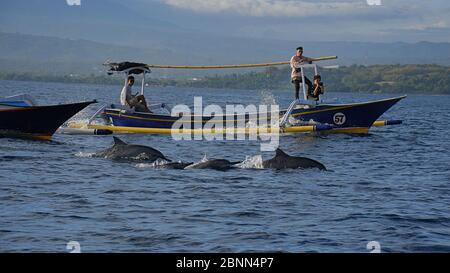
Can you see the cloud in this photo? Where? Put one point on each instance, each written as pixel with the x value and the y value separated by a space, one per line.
pixel 441 24
pixel 393 20
pixel 274 8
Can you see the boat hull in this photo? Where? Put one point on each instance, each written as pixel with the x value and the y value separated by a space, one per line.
pixel 147 120
pixel 353 118
pixel 37 122
pixel 350 118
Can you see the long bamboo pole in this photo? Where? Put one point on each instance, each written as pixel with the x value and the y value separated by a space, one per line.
pixel 233 65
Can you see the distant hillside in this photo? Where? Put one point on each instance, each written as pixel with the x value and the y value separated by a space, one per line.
pixel 47 55
pixel 19 52
pixel 117 26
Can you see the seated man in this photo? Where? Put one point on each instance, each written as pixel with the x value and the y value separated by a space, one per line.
pixel 137 102
pixel 318 88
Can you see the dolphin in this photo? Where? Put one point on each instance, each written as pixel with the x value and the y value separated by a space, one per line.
pixel 174 165
pixel 121 150
pixel 215 164
pixel 285 161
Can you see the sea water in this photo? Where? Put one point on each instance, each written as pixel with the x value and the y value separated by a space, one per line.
pixel 391 186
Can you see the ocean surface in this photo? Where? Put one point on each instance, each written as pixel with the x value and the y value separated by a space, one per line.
pixel 391 186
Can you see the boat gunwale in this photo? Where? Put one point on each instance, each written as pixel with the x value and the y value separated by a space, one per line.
pixel 35 107
pixel 322 108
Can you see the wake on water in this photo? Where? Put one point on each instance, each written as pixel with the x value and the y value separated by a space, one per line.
pixel 159 162
pixel 267 98
pixel 204 159
pixel 84 154
pixel 250 162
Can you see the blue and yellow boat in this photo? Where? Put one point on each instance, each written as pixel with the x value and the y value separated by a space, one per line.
pixel 342 118
pixel 302 115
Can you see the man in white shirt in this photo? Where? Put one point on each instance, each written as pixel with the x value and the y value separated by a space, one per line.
pixel 296 61
pixel 127 98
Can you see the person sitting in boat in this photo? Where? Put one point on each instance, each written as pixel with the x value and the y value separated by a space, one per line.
pixel 296 61
pixel 137 102
pixel 318 88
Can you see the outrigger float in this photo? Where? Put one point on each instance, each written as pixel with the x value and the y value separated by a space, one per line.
pixel 301 116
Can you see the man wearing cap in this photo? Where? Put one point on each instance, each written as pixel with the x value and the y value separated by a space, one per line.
pixel 296 76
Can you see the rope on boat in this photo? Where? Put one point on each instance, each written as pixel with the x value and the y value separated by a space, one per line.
pixel 233 65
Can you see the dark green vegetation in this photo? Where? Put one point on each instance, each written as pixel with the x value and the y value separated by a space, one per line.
pixel 432 79
pixel 409 79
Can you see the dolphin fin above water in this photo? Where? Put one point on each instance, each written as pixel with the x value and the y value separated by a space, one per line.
pixel 280 152
pixel 284 161
pixel 118 141
pixel 121 150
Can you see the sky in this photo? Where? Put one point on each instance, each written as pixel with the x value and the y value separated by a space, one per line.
pixel 318 20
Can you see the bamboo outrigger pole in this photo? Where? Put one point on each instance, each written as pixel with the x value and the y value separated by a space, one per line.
pixel 233 65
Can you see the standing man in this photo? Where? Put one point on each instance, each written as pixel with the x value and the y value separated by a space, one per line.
pixel 296 76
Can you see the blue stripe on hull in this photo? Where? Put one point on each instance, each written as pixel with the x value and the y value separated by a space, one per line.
pixel 144 120
pixel 132 122
pixel 14 103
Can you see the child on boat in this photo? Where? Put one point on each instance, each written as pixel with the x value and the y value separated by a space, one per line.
pixel 318 88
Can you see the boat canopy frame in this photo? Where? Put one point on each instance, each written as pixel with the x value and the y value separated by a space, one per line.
pixel 304 101
pixel 129 68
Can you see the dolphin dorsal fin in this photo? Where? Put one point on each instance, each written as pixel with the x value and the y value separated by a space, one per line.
pixel 117 141
pixel 280 152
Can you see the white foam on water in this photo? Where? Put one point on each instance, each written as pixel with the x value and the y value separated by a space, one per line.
pixel 144 165
pixel 298 122
pixel 141 156
pixel 267 98
pixel 83 122
pixel 251 162
pixel 84 154
pixel 78 120
pixel 204 159
pixel 159 162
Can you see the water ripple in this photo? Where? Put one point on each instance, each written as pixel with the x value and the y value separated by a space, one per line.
pixel 390 186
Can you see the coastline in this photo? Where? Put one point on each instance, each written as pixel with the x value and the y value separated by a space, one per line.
pixel 375 79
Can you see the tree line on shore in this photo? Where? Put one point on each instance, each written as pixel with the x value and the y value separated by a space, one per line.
pixel 426 79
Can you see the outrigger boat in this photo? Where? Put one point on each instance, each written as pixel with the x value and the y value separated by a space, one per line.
pixel 302 115
pixel 21 117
